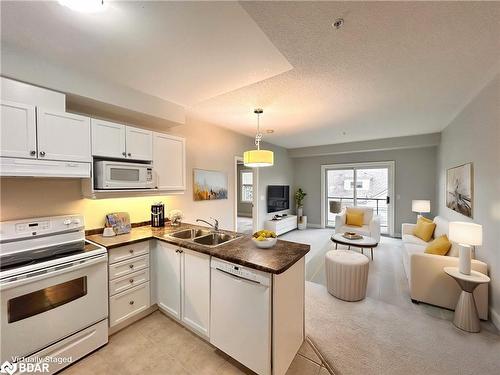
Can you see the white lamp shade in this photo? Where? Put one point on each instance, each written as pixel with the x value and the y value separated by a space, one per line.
pixel 466 233
pixel 421 206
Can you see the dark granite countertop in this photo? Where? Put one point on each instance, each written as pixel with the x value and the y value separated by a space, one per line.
pixel 240 251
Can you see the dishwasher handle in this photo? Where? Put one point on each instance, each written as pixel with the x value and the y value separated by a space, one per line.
pixel 238 277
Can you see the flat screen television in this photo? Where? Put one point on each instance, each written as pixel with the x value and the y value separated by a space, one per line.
pixel 278 198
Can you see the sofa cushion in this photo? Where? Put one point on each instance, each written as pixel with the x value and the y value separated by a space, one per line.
pixel 441 226
pixel 363 230
pixel 440 246
pixel 410 238
pixel 424 229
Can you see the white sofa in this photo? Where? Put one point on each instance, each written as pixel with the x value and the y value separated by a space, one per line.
pixel 370 228
pixel 428 282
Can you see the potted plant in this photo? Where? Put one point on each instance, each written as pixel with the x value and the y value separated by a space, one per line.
pixel 299 199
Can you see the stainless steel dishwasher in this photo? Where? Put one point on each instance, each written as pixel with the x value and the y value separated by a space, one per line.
pixel 240 321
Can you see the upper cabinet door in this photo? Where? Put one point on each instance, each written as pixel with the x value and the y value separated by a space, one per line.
pixel 108 139
pixel 63 136
pixel 139 143
pixel 17 130
pixel 169 161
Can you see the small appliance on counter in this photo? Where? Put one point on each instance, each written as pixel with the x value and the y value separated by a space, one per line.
pixel 119 221
pixel 158 215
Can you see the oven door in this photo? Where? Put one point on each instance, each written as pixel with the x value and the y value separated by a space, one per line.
pixel 126 176
pixel 50 304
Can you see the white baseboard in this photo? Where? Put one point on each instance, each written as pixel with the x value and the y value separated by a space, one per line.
pixel 495 318
pixel 311 225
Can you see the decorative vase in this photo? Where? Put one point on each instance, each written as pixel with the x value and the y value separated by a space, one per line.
pixel 300 211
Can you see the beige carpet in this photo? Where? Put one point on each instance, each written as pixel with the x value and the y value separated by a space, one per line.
pixel 374 337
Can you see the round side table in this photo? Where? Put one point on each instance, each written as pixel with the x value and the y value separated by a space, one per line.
pixel 466 317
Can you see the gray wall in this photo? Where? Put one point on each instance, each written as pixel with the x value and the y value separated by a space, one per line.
pixel 415 178
pixel 474 136
pixel 282 173
pixel 243 209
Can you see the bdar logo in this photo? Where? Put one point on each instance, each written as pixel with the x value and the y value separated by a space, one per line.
pixel 8 368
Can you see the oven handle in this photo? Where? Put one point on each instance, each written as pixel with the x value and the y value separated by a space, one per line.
pixel 55 270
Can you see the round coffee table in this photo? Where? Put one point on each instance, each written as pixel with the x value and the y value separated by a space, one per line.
pixel 466 311
pixel 363 243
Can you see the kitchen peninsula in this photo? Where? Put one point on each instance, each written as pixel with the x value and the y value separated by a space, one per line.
pixel 246 301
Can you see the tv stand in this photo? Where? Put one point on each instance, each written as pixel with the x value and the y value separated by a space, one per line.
pixel 283 225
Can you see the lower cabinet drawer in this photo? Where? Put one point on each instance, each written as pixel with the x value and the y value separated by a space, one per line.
pixel 128 266
pixel 129 281
pixel 121 253
pixel 126 304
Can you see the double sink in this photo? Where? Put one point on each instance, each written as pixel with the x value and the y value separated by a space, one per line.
pixel 204 237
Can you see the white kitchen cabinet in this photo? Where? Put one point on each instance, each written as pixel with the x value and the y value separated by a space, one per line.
pixel 108 139
pixel 139 143
pixel 196 291
pixel 17 130
pixel 169 161
pixel 168 278
pixel 63 136
pixel 182 279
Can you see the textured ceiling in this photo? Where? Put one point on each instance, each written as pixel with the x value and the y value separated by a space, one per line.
pixel 183 52
pixel 394 69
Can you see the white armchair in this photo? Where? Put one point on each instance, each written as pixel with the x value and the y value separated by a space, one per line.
pixel 371 224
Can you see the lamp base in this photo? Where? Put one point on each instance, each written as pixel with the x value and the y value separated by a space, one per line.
pixel 464 259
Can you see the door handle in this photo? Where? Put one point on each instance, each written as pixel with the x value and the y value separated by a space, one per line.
pixel 388 200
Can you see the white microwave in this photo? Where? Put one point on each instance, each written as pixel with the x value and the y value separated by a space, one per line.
pixel 122 175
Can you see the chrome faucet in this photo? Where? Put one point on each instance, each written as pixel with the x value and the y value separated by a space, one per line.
pixel 215 225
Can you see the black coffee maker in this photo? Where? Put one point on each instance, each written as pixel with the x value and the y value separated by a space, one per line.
pixel 158 215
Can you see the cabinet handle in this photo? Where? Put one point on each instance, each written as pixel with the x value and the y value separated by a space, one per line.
pixel 131 251
pixel 131 266
pixel 42 153
pixel 124 153
pixel 129 154
pixel 131 281
pixel 32 153
pixel 131 303
pixel 181 251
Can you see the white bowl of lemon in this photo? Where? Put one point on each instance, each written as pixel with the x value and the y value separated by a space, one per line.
pixel 264 239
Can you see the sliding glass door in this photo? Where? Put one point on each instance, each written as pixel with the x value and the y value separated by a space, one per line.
pixel 359 185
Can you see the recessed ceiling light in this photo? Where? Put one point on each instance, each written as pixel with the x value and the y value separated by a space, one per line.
pixel 85 6
pixel 270 131
pixel 338 23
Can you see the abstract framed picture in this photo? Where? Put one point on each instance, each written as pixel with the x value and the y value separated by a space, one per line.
pixel 459 187
pixel 209 185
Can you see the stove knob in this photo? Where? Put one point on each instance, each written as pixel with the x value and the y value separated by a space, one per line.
pixel 76 221
pixel 67 221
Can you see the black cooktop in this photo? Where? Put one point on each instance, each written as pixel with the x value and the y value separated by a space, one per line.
pixel 25 258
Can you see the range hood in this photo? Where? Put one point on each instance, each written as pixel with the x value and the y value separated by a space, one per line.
pixel 17 167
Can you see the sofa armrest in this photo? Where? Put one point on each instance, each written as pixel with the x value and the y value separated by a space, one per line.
pixel 429 283
pixel 339 221
pixel 375 228
pixel 407 228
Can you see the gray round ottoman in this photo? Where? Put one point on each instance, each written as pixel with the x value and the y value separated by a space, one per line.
pixel 346 274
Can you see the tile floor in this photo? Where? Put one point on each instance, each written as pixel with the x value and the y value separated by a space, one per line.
pixel 159 345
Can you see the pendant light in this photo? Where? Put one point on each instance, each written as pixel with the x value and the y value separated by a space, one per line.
pixel 258 158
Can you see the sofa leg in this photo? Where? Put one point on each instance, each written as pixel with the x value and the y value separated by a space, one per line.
pixel 415 301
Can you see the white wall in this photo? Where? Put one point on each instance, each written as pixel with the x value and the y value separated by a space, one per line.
pixel 474 136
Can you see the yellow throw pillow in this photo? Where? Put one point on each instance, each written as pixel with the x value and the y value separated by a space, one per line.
pixel 354 217
pixel 440 246
pixel 425 219
pixel 424 229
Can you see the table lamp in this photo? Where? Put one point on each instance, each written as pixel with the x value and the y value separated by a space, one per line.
pixel 466 235
pixel 421 206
